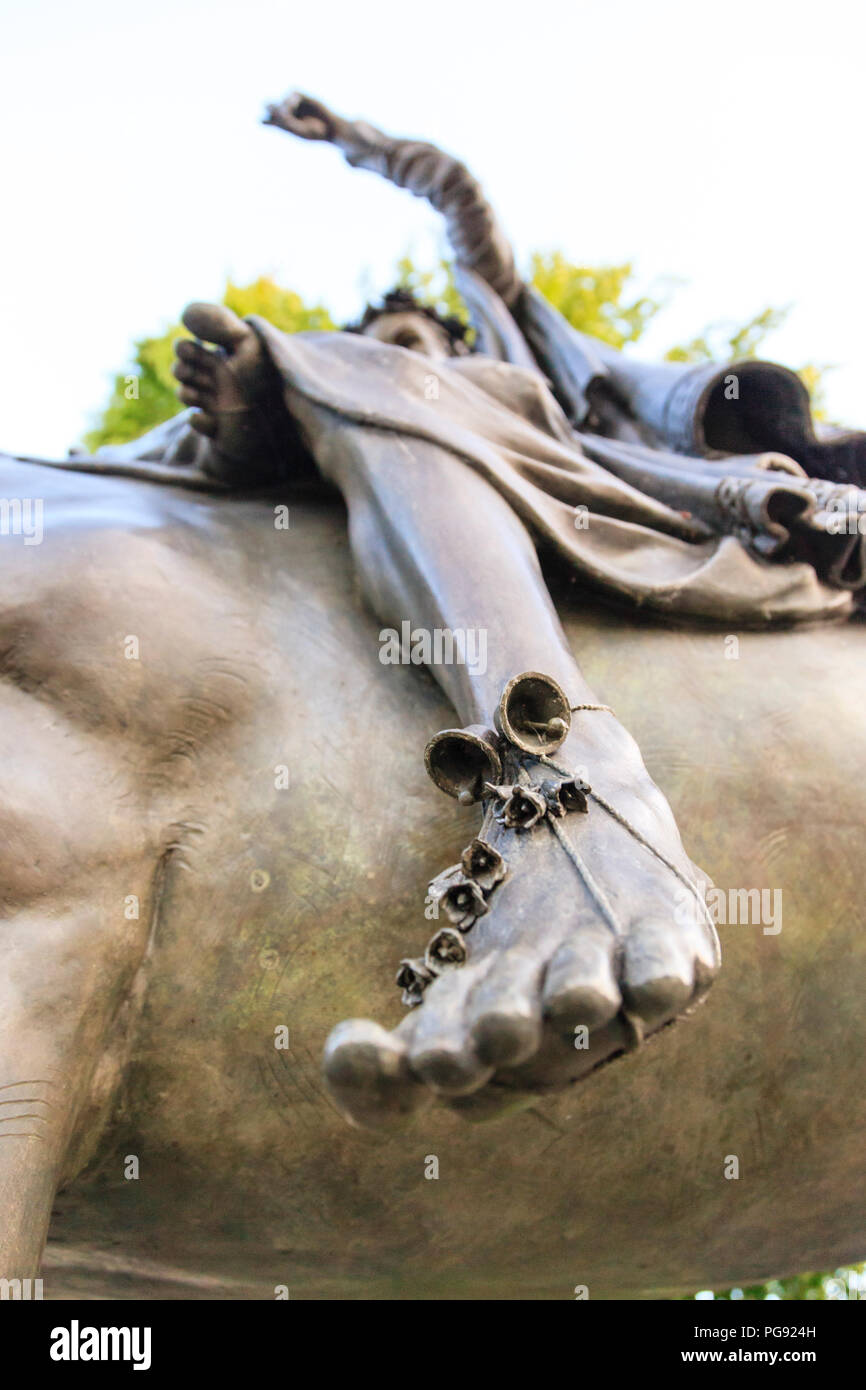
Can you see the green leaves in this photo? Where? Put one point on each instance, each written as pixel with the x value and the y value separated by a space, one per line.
pixel 593 298
pixel 144 394
pixel 283 308
pixel 435 287
pixel 598 300
pixel 840 1285
pixel 724 342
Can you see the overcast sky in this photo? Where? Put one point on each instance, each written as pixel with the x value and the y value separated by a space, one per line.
pixel 722 143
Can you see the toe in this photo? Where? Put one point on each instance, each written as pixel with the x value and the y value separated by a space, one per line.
pixel 215 324
pixel 195 354
pixel 708 960
pixel 581 987
pixel 190 375
pixel 658 973
pixel 204 424
pixel 441 1051
pixel 505 1009
pixel 367 1072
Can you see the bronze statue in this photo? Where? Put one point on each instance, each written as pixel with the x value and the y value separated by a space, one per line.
pixel 164 645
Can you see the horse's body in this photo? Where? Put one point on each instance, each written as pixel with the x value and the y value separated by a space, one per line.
pixel 156 776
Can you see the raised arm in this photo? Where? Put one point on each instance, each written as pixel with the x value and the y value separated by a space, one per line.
pixel 475 236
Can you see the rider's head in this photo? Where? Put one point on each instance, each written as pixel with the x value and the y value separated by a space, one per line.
pixel 400 319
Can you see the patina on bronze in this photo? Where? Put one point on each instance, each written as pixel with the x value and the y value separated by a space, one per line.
pixel 135 1016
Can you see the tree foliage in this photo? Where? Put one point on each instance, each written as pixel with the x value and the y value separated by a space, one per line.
pixel 598 300
pixel 432 286
pixel 144 393
pixel 839 1286
pixel 725 342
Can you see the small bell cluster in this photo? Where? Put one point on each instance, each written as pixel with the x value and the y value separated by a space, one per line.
pixel 522 807
pixel 532 720
pixel 462 893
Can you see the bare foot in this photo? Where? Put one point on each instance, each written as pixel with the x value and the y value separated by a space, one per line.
pixel 232 383
pixel 567 939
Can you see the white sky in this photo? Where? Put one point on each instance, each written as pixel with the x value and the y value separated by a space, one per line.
pixel 719 142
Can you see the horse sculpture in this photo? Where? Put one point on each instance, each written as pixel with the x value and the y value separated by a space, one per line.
pixel 218 831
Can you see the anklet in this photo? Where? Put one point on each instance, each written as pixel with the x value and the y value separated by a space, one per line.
pixel 463 891
pixel 595 890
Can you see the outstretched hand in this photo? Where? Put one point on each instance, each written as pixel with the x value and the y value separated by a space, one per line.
pixel 303 116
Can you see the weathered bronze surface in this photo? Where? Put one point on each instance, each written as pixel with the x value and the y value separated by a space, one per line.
pixel 219 827
pixel 249 1177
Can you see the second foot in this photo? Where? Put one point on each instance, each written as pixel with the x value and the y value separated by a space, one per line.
pixel 232 384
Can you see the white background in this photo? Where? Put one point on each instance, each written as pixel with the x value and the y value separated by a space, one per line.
pixel 721 142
